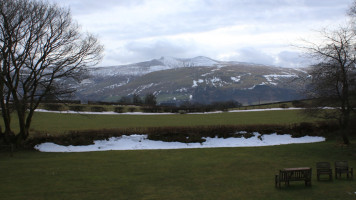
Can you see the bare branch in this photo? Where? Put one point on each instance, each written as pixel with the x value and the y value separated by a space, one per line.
pixel 40 48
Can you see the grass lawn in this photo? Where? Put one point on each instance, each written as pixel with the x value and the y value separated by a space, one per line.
pixel 59 123
pixel 217 173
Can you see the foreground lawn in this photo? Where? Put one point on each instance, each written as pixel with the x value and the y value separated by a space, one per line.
pixel 59 123
pixel 219 173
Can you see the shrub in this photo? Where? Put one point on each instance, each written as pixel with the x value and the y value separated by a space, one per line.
pixel 151 109
pixel 299 104
pixel 283 105
pixel 186 134
pixel 132 109
pixel 77 108
pixel 119 109
pixel 182 111
pixel 53 106
pixel 97 109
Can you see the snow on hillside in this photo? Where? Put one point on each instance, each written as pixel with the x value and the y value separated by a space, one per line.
pixel 236 79
pixel 163 63
pixel 202 61
pixel 274 77
pixel 199 61
pixel 184 77
pixel 171 62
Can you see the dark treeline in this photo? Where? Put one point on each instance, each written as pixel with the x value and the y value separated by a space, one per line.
pixel 200 107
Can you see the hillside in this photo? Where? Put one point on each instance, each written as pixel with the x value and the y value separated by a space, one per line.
pixel 199 79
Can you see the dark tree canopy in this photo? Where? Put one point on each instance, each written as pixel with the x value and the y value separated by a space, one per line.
pixel 41 50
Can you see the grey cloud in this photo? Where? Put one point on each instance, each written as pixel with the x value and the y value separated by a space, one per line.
pixel 138 51
pixel 157 48
pixel 252 55
pixel 91 6
pixel 207 15
pixel 195 17
pixel 291 59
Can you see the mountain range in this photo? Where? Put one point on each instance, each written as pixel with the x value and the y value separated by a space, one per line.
pixel 200 79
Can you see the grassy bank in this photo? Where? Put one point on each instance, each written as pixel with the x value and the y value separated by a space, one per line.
pixel 221 173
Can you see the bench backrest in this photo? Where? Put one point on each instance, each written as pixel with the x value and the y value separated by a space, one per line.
pixel 295 175
pixel 341 165
pixel 323 165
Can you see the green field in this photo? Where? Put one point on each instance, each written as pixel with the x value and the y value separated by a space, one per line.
pixel 217 173
pixel 59 123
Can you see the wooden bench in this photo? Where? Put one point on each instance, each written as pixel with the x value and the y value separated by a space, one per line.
pixel 293 174
pixel 323 168
pixel 343 167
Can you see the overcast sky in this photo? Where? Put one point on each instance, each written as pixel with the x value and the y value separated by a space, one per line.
pixel 258 31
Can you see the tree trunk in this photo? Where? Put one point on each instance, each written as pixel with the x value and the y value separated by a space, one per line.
pixel 344 124
pixel 345 137
pixel 8 136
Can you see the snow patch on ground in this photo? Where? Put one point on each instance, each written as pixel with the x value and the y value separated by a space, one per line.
pixel 140 142
pixel 101 113
pixel 142 113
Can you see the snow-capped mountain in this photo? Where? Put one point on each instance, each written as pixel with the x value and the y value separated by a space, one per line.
pixel 199 79
pixel 162 63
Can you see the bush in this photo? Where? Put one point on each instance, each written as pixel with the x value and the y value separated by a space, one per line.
pixel 119 109
pixel 182 111
pixel 77 108
pixel 151 109
pixel 186 134
pixel 299 104
pixel 283 105
pixel 97 109
pixel 132 109
pixel 53 106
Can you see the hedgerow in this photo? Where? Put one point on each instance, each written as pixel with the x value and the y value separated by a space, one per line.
pixel 186 134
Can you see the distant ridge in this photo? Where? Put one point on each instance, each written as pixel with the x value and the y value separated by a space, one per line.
pixel 199 79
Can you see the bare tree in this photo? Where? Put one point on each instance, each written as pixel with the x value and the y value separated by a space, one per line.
pixel 333 78
pixel 150 99
pixel 41 49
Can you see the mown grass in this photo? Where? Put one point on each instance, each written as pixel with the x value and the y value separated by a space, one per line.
pixel 60 123
pixel 216 173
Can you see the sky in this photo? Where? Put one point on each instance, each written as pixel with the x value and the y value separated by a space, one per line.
pixel 257 31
